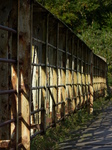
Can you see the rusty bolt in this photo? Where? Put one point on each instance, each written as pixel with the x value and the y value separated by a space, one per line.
pixel 2 51
pixel 3 117
pixel 21 67
pixel 3 134
pixel 4 9
pixel 3 23
pixel 3 35
pixel 10 103
pixel 3 68
pixel 3 101
pixel 3 84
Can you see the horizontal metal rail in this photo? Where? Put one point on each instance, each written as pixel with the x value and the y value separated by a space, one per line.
pixel 50 45
pixel 69 54
pixel 51 125
pixel 9 121
pixel 59 103
pixel 67 98
pixel 61 50
pixel 61 85
pixel 43 65
pixel 60 120
pixel 37 111
pixel 74 56
pixel 36 133
pixel 69 69
pixel 74 84
pixel 7 29
pixel 68 84
pixel 51 86
pixel 8 60
pixel 37 40
pixel 12 91
pixel 64 68
pixel 39 87
pixel 37 126
pixel 38 65
pixel 7 92
pixel 52 66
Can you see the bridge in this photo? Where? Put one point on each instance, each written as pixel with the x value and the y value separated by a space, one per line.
pixel 46 74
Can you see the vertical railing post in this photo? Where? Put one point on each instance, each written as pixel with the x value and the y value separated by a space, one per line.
pixel 67 103
pixel 73 84
pixel 88 75
pixel 43 113
pixel 57 46
pixel 46 70
pixel 31 47
pixel 78 98
pixel 17 82
pixel 82 76
pixel 5 8
pixel 24 44
pixel 91 83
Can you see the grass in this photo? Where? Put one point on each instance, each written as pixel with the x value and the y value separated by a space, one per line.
pixel 62 131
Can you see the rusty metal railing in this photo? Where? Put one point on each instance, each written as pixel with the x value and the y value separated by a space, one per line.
pixel 64 72
pixel 46 73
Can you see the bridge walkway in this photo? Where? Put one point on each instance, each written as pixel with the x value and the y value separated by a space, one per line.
pixel 97 136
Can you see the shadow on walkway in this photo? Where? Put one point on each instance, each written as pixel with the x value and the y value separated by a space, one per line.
pixel 97 136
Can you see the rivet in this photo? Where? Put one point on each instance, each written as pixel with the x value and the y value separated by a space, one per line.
pixel 3 117
pixel 2 51
pixel 21 67
pixel 10 103
pixel 3 134
pixel 3 84
pixel 3 68
pixel 4 9
pixel 3 23
pixel 3 100
pixel 3 35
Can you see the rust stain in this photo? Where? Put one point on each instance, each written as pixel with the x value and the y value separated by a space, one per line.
pixel 4 143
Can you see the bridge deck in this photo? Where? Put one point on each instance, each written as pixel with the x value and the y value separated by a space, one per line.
pixel 98 136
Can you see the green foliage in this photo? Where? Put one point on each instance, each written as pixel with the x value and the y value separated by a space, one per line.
pixel 110 77
pixel 99 41
pixel 90 20
pixel 79 14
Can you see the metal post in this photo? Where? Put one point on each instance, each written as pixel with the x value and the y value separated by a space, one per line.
pixel 91 83
pixel 5 45
pixel 24 33
pixel 78 100
pixel 73 63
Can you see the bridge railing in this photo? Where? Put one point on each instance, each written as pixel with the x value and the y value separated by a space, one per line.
pixel 65 72
pixel 46 74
